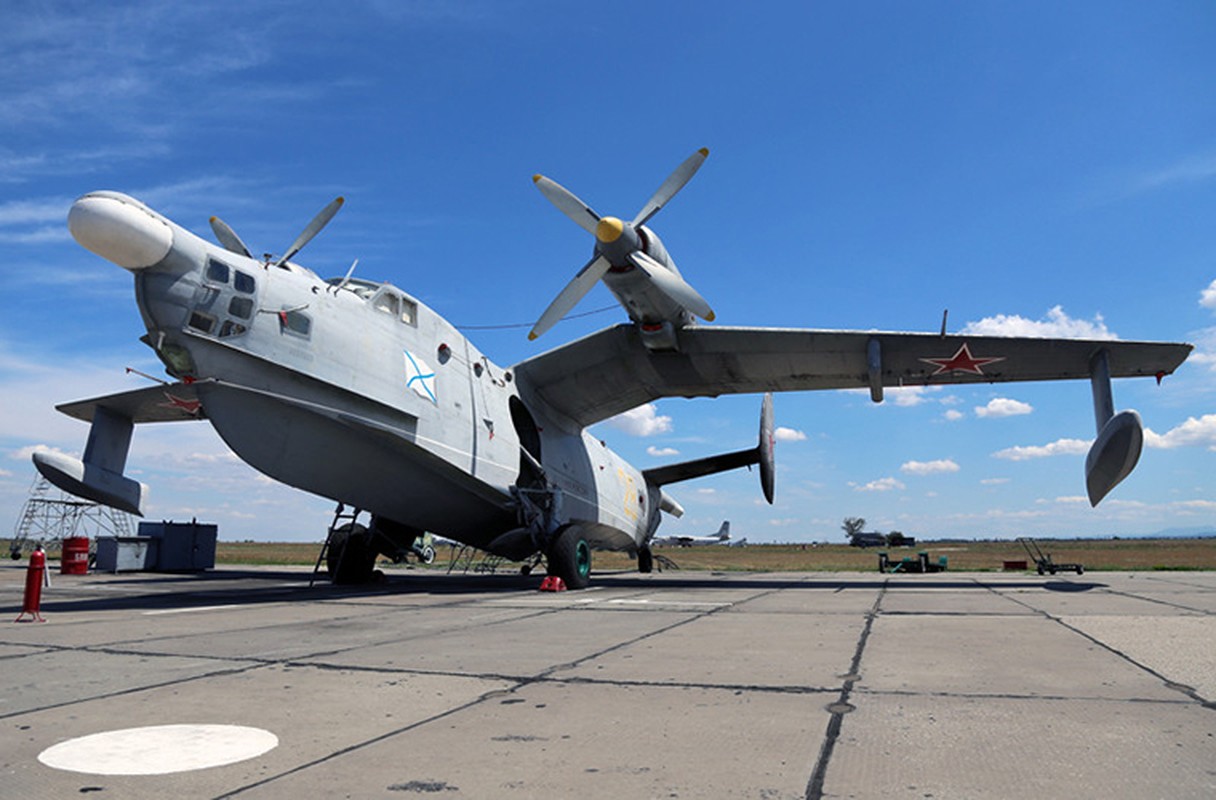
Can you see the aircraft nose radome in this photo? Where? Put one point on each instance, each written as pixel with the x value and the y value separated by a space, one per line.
pixel 120 230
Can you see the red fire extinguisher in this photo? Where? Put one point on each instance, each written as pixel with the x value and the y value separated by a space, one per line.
pixel 34 577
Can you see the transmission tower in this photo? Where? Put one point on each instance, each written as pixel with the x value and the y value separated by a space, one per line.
pixel 49 516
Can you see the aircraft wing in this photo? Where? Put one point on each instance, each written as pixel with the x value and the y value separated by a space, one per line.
pixel 611 371
pixel 170 402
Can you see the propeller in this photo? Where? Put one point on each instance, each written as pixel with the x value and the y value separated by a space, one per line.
pixel 227 237
pixel 312 229
pixel 618 244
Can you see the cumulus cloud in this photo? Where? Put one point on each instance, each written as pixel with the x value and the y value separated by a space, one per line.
pixel 1207 297
pixel 953 416
pixel 880 485
pixel 1057 324
pixel 789 435
pixel 642 421
pixel 1193 432
pixel 1060 447
pixel 1003 407
pixel 24 453
pixel 660 452
pixel 908 396
pixel 929 467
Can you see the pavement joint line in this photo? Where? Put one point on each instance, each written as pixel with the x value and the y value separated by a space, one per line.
pixel 814 787
pixel 368 742
pixel 1021 697
pixel 135 690
pixel 1189 691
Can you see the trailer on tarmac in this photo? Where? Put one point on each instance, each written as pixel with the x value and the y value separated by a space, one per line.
pixel 1043 562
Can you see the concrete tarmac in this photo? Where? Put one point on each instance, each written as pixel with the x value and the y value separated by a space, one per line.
pixel 673 685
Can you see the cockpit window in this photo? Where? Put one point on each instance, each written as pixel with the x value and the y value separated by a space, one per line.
pixel 217 271
pixel 387 303
pixel 244 282
pixel 240 306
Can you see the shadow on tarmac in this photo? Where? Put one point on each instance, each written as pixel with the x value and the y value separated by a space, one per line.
pixel 252 587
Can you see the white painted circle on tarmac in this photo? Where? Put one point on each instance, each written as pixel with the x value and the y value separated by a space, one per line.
pixel 159 750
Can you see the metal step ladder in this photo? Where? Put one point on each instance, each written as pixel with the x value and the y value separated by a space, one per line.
pixel 341 517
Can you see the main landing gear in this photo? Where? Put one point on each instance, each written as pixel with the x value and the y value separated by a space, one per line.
pixel 570 557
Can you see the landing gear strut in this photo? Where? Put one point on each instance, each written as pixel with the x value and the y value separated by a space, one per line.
pixel 351 557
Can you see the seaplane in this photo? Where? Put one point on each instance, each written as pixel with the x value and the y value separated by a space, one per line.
pixel 356 391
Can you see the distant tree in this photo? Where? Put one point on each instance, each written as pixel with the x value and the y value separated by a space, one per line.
pixel 896 539
pixel 853 526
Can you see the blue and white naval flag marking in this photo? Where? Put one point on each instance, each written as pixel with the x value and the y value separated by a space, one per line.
pixel 420 377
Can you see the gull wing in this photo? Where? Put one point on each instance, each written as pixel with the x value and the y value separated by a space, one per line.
pixel 170 402
pixel 611 371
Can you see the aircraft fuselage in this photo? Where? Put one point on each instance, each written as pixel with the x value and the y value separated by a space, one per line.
pixel 358 392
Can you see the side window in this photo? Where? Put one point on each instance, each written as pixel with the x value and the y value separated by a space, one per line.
pixel 243 282
pixel 409 312
pixel 230 328
pixel 240 306
pixel 217 271
pixel 295 322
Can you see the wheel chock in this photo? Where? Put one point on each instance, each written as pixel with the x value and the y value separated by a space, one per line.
pixel 552 583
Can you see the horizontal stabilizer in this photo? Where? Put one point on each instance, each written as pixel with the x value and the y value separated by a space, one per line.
pixel 761 454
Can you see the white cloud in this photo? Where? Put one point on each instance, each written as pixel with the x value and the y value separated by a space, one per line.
pixel 1060 447
pixel 1207 297
pixel 660 452
pixel 908 396
pixel 953 416
pixel 1057 325
pixel 642 421
pixel 1200 431
pixel 24 453
pixel 880 485
pixel 929 467
pixel 1074 499
pixel 789 435
pixel 993 481
pixel 1003 407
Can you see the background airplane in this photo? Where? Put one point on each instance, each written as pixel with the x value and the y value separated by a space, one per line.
pixel 356 391
pixel 721 537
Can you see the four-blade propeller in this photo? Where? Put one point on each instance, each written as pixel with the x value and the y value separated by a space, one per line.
pixel 619 244
pixel 231 242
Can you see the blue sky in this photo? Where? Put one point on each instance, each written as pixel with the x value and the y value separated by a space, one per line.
pixel 1036 167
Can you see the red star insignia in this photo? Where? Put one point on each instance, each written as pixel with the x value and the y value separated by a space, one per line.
pixel 189 406
pixel 962 361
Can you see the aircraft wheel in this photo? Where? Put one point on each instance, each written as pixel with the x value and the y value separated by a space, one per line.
pixel 570 558
pixel 428 555
pixel 350 558
pixel 645 560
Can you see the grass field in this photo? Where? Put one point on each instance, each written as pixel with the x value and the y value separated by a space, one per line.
pixel 1095 554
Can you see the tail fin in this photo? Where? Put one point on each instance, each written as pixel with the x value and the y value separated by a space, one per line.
pixel 724 531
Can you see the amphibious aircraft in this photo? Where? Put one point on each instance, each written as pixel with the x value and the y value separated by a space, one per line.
pixel 356 391
pixel 721 537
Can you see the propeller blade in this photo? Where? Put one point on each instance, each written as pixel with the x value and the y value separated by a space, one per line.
pixel 569 297
pixel 318 222
pixel 674 183
pixel 227 237
pixel 672 285
pixel 567 203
